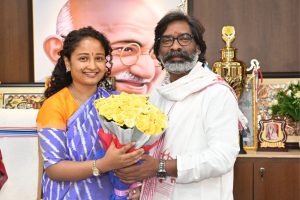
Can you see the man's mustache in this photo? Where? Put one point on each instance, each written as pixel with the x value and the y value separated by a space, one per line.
pixel 179 54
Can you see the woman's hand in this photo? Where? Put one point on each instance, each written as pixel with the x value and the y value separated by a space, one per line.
pixel 118 158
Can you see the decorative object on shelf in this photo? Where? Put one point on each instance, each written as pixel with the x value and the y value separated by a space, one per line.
pixel 272 135
pixel 244 85
pixel 232 70
pixel 247 104
pixel 287 103
pixel 266 95
pixel 255 73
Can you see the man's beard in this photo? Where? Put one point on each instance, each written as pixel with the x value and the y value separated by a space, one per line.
pixel 179 67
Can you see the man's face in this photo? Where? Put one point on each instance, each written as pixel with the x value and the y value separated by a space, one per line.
pixel 131 22
pixel 178 51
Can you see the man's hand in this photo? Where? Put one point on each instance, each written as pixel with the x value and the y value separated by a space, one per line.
pixel 139 172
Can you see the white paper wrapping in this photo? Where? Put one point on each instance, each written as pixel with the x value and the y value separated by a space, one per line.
pixel 126 136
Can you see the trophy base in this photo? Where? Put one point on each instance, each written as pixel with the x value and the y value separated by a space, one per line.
pixel 272 149
pixel 242 150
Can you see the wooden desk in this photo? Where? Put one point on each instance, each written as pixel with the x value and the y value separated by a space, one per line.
pixel 267 176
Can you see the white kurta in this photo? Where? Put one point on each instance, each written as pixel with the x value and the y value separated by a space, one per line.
pixel 202 135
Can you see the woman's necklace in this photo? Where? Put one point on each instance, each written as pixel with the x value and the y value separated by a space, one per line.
pixel 76 97
pixel 77 100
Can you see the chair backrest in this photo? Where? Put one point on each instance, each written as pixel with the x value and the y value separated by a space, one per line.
pixel 40 174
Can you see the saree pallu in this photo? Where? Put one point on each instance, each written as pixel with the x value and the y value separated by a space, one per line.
pixel 79 142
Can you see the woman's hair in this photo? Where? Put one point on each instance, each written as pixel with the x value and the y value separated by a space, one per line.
pixel 60 77
pixel 196 27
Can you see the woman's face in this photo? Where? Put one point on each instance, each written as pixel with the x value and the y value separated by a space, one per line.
pixel 87 63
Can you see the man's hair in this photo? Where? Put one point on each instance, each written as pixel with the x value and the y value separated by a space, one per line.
pixel 196 27
pixel 60 76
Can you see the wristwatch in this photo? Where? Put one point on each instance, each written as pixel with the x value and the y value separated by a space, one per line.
pixel 96 171
pixel 161 174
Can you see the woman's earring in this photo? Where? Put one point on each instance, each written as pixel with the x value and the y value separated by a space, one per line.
pixel 68 69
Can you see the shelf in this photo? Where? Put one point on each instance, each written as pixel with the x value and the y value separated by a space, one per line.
pixel 264 154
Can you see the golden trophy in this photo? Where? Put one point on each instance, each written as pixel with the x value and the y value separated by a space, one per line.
pixel 232 70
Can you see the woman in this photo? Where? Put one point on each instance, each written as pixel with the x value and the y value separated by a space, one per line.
pixel 68 122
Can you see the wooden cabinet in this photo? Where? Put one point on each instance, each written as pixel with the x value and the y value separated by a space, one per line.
pixel 267 176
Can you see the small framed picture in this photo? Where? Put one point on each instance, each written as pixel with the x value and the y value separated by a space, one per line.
pixel 21 96
pixel 272 135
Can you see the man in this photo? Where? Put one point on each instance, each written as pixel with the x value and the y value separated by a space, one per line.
pixel 124 23
pixel 122 27
pixel 195 156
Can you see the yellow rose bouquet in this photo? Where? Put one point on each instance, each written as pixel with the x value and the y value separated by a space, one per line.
pixel 131 117
pixel 126 118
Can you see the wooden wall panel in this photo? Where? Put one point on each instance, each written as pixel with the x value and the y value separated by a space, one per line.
pixel 16 41
pixel 268 30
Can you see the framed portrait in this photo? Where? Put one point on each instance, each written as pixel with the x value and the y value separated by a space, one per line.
pixel 266 94
pixel 21 96
pixel 247 104
pixel 104 16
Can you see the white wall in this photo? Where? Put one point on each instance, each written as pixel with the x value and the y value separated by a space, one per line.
pixel 20 155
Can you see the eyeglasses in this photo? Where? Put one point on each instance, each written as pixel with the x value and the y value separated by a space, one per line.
pixel 130 53
pixel 183 39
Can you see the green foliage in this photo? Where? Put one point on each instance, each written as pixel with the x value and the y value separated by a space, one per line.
pixel 287 102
